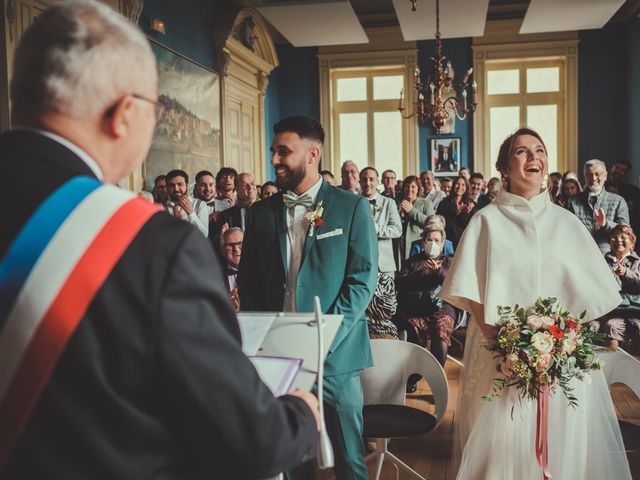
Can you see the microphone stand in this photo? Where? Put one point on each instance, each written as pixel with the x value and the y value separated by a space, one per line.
pixel 325 450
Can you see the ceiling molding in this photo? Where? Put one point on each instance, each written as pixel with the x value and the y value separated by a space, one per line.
pixel 556 16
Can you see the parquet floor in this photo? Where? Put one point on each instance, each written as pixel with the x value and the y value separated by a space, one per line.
pixel 430 455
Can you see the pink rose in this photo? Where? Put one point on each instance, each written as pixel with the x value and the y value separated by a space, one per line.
pixel 534 321
pixel 544 361
pixel 547 321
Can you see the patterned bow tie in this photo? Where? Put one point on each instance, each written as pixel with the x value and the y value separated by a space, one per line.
pixel 292 200
pixel 373 202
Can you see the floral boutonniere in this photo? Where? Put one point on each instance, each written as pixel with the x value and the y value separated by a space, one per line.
pixel 314 216
pixel 377 208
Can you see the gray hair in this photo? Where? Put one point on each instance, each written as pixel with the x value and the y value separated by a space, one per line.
pixel 77 59
pixel 594 162
pixel 229 231
pixel 436 220
pixel 435 225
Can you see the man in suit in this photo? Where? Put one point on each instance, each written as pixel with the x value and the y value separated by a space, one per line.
pixel 153 382
pixel 480 199
pixel 349 173
pixel 231 250
pixel 181 205
pixel 238 215
pixel 599 210
pixel 205 196
pixel 314 239
pixel 428 182
pixel 388 226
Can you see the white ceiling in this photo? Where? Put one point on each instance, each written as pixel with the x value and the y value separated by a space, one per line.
pixel 306 23
pixel 561 15
pixel 458 18
pixel 314 24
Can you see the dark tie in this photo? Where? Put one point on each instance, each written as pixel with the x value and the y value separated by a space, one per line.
pixel 373 202
pixel 592 200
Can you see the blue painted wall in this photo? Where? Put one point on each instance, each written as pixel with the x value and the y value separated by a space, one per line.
pixel 458 50
pixel 188 27
pixel 603 94
pixel 633 60
pixel 294 89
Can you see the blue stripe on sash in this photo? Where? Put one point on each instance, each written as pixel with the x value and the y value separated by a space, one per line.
pixel 34 237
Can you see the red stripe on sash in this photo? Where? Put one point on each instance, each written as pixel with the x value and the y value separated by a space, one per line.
pixel 64 315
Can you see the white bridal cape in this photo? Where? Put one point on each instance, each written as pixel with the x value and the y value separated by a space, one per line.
pixel 514 251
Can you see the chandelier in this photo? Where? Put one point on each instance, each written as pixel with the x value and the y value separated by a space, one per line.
pixel 437 99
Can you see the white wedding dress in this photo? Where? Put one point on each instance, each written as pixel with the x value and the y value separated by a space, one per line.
pixel 513 252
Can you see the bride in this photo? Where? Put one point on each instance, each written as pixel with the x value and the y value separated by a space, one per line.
pixel 515 250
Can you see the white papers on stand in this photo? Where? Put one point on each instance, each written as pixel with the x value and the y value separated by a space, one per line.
pixel 253 329
pixel 278 373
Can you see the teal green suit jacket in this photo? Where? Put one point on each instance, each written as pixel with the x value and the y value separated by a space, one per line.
pixel 341 269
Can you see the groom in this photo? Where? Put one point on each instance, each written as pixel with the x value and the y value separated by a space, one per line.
pixel 315 239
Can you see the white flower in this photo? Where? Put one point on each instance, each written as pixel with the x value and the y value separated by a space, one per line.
pixel 534 321
pixel 542 341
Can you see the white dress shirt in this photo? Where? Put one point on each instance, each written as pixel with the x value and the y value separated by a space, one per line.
pixel 200 219
pixel 297 228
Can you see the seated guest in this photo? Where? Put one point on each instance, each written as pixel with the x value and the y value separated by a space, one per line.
pixel 570 188
pixel 388 226
pixel 494 187
pixel 159 192
pixel 226 184
pixel 434 220
pixel 457 209
pixel 231 250
pixel 180 204
pixel 413 212
pixel 328 177
pixel 389 182
pixel 238 215
pixel 480 199
pixel 349 173
pixel 205 192
pixel 419 283
pixel 624 322
pixel 596 208
pixel 268 190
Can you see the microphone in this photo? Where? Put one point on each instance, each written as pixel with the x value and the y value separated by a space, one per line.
pixel 325 450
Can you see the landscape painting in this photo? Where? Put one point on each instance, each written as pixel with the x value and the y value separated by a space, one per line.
pixel 187 134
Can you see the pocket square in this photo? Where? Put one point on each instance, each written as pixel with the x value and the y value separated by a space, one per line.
pixel 332 233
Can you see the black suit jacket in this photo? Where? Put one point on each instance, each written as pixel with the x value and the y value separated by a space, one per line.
pixel 153 383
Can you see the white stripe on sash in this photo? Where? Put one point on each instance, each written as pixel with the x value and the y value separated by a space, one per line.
pixel 50 273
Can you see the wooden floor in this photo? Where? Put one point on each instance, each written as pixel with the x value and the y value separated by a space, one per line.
pixel 430 454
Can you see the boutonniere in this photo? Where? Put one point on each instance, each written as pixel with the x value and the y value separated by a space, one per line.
pixel 377 208
pixel 314 216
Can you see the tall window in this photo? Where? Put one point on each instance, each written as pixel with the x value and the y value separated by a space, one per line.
pixel 527 93
pixel 366 126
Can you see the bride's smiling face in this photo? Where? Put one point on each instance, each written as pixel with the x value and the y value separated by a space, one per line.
pixel 527 165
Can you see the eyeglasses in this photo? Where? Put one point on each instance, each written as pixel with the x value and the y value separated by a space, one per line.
pixel 232 245
pixel 155 103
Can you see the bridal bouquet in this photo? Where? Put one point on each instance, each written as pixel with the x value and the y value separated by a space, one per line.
pixel 540 349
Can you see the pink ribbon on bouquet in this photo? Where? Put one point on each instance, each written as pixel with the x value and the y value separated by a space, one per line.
pixel 542 425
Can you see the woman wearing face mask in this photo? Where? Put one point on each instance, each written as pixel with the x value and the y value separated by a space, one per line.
pixel 413 213
pixel 517 249
pixel 457 209
pixel 623 323
pixel 418 285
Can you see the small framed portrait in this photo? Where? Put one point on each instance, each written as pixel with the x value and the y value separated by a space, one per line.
pixel 445 156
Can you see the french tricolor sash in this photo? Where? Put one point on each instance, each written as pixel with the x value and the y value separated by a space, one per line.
pixel 50 275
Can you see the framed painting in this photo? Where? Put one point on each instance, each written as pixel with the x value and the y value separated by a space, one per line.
pixel 187 134
pixel 445 156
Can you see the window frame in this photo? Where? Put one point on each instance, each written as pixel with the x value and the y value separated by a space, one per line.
pixel 535 53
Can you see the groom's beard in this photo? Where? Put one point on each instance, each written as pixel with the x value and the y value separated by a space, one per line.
pixel 292 177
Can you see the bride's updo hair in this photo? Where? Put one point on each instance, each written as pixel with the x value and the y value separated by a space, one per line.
pixel 502 163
